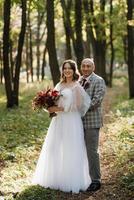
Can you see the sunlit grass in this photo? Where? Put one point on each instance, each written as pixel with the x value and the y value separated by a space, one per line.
pixel 22 132
pixel 120 142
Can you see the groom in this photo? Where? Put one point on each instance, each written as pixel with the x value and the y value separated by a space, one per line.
pixel 92 121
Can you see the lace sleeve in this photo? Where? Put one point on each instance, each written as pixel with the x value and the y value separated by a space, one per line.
pixel 81 100
pixel 75 99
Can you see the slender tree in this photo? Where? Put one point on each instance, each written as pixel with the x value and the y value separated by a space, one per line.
pixel 130 30
pixel 78 31
pixel 12 88
pixel 27 55
pixel 6 49
pixel 19 54
pixel 111 44
pixel 66 15
pixel 39 22
pixel 74 31
pixel 96 31
pixel 43 64
pixel 51 47
pixel 30 41
pixel 1 64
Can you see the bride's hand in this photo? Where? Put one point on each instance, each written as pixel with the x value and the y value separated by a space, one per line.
pixel 55 109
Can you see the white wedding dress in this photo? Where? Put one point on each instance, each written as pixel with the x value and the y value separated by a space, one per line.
pixel 63 160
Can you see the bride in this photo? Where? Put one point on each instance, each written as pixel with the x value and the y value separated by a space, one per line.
pixel 63 160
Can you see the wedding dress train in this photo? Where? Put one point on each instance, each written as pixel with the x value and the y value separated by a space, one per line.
pixel 63 160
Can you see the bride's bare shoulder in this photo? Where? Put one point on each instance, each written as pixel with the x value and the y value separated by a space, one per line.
pixel 58 86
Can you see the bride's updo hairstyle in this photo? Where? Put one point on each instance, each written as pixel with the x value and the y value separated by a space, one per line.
pixel 73 66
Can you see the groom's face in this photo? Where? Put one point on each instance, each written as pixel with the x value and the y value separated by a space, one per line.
pixel 87 69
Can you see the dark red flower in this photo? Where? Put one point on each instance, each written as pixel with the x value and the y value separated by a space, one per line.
pixel 45 99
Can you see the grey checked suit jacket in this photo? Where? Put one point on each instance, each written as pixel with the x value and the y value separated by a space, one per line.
pixel 96 90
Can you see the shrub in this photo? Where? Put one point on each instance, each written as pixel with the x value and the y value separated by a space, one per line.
pixel 37 193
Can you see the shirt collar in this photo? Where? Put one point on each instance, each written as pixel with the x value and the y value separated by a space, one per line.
pixel 88 78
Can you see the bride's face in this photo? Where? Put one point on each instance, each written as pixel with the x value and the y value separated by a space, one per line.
pixel 68 71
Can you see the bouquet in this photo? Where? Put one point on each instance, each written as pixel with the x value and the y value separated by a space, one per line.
pixel 45 99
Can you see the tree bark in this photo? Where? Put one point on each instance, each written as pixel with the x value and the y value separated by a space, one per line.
pixel 38 46
pixel 78 31
pixel 68 21
pixel 54 67
pixel 6 50
pixel 43 64
pixel 130 31
pixel 30 42
pixel 27 56
pixel 20 48
pixel 100 43
pixel 68 52
pixel 87 45
pixel 1 64
pixel 111 44
pixel 11 60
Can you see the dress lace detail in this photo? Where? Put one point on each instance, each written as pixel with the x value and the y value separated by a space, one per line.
pixel 74 98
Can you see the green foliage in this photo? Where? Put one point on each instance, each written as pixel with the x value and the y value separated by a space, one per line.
pixel 22 132
pixel 15 2
pixel 125 107
pixel 123 140
pixel 126 155
pixel 118 19
pixel 37 5
pixel 37 193
pixel 128 181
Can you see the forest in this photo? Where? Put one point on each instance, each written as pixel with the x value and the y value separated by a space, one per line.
pixel 36 36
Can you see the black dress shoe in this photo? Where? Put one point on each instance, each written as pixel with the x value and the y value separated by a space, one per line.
pixel 94 187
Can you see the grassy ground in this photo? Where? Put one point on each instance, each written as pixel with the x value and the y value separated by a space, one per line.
pixel 22 132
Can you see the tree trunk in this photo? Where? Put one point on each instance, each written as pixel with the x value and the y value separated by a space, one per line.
pixel 111 44
pixel 38 46
pixel 1 65
pixel 68 53
pixel 11 60
pixel 98 43
pixel 20 48
pixel 100 58
pixel 66 13
pixel 66 6
pixel 30 43
pixel 54 67
pixel 130 30
pixel 78 31
pixel 6 50
pixel 43 64
pixel 27 56
pixel 87 48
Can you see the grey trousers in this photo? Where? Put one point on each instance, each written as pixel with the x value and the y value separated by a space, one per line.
pixel 92 142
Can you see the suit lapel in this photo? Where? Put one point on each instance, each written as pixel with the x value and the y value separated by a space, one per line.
pixel 91 77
